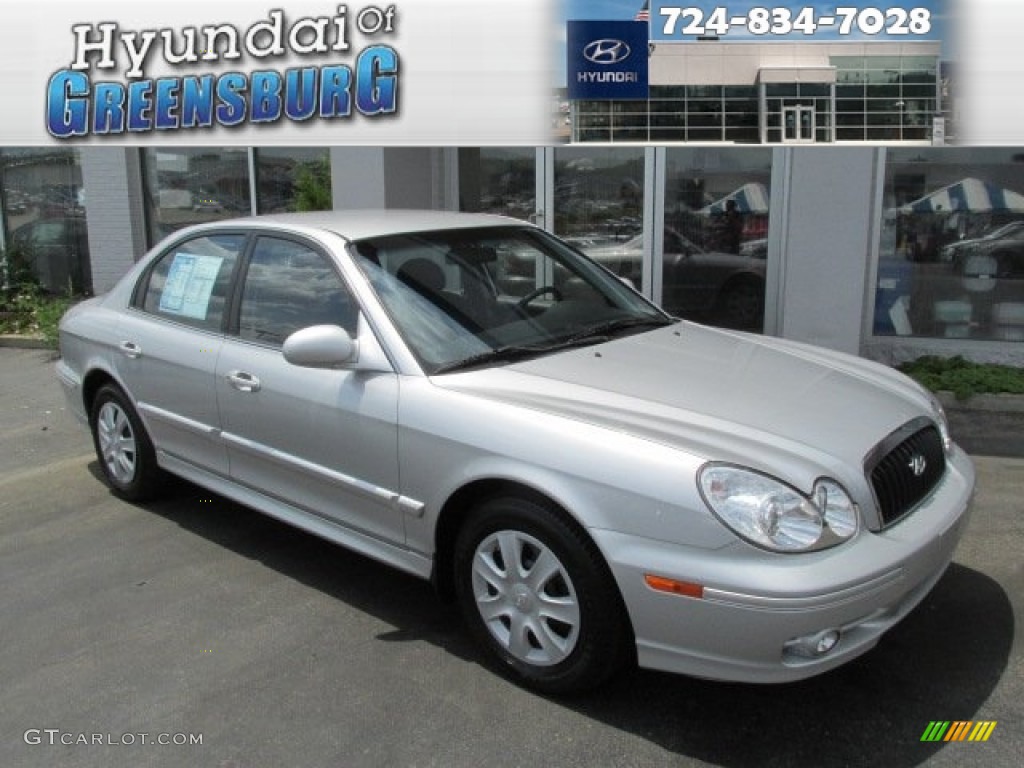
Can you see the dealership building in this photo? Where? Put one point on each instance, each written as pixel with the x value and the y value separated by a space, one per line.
pixel 774 93
pixel 886 252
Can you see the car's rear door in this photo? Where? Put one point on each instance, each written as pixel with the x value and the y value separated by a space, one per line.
pixel 168 342
pixel 325 441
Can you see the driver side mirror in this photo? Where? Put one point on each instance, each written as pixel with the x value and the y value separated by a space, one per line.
pixel 321 346
pixel 331 347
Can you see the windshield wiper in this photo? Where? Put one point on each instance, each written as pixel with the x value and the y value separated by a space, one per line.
pixel 597 334
pixel 511 353
pixel 619 324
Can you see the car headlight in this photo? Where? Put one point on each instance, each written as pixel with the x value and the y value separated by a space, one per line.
pixel 943 422
pixel 771 514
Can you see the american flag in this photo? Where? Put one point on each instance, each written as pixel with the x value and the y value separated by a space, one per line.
pixel 644 14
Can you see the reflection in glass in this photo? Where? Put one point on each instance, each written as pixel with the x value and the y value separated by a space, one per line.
pixel 599 201
pixel 293 179
pixel 498 180
pixel 716 235
pixel 951 257
pixel 44 216
pixel 901 97
pixel 189 186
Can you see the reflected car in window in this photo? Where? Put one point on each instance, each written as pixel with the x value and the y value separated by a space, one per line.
pixel 1009 234
pixel 724 288
pixel 593 482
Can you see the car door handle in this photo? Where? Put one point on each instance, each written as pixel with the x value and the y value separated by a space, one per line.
pixel 131 349
pixel 243 382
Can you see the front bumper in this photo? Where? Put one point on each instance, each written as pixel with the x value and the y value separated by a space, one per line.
pixel 755 602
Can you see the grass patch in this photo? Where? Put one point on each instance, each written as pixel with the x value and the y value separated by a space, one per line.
pixel 964 378
pixel 26 309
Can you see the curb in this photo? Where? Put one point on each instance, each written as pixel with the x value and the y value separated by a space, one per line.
pixel 23 342
pixel 983 403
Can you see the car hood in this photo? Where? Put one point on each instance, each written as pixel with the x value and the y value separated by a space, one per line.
pixel 720 395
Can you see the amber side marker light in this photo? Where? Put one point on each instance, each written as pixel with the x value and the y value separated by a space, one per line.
pixel 684 588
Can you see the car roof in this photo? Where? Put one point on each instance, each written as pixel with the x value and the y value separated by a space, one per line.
pixel 359 224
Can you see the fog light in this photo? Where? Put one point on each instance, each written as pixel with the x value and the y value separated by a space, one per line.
pixel 813 646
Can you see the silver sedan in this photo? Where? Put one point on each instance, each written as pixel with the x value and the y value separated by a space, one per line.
pixel 593 481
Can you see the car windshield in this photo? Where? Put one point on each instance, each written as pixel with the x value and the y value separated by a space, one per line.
pixel 469 297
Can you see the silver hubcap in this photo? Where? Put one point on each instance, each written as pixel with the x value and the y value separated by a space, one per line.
pixel 117 442
pixel 526 598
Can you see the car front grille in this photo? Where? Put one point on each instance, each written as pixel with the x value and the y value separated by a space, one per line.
pixel 905 468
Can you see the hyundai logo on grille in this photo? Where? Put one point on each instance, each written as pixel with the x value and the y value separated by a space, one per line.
pixel 918 464
pixel 607 51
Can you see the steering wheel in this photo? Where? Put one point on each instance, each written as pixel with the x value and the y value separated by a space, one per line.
pixel 524 302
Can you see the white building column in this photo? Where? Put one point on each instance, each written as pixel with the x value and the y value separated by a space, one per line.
pixel 823 229
pixel 115 213
pixel 390 177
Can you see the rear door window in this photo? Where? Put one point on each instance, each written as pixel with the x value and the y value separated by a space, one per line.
pixel 190 283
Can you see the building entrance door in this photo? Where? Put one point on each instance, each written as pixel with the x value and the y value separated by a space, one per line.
pixel 798 125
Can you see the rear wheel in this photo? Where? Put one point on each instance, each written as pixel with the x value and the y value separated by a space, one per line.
pixel 538 596
pixel 123 447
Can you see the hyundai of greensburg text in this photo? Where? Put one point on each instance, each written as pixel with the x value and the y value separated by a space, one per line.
pixel 595 482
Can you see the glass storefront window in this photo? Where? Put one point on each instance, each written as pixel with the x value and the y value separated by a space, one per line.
pixel 189 186
pixel 599 204
pixel 716 235
pixel 44 215
pixel 740 92
pixel 667 92
pixel 899 90
pixel 293 179
pixel 951 257
pixel 500 180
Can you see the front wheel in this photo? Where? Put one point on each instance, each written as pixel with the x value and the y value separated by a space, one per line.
pixel 538 596
pixel 123 448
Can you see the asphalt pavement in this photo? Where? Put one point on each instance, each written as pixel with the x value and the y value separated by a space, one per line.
pixel 194 619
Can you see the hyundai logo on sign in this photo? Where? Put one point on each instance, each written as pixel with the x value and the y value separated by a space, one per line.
pixel 606 51
pixel 606 61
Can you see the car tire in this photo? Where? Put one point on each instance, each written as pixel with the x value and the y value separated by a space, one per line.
pixel 125 452
pixel 557 630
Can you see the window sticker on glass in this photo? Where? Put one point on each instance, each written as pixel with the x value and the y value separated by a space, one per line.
pixel 189 285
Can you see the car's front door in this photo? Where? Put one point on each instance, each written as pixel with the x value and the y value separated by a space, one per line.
pixel 321 440
pixel 168 342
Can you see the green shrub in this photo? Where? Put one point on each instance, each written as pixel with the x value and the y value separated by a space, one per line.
pixel 25 308
pixel 28 310
pixel 964 378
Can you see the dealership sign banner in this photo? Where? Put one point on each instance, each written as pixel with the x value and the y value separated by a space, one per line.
pixel 429 72
pixel 322 72
pixel 81 101
pixel 753 21
pixel 607 59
